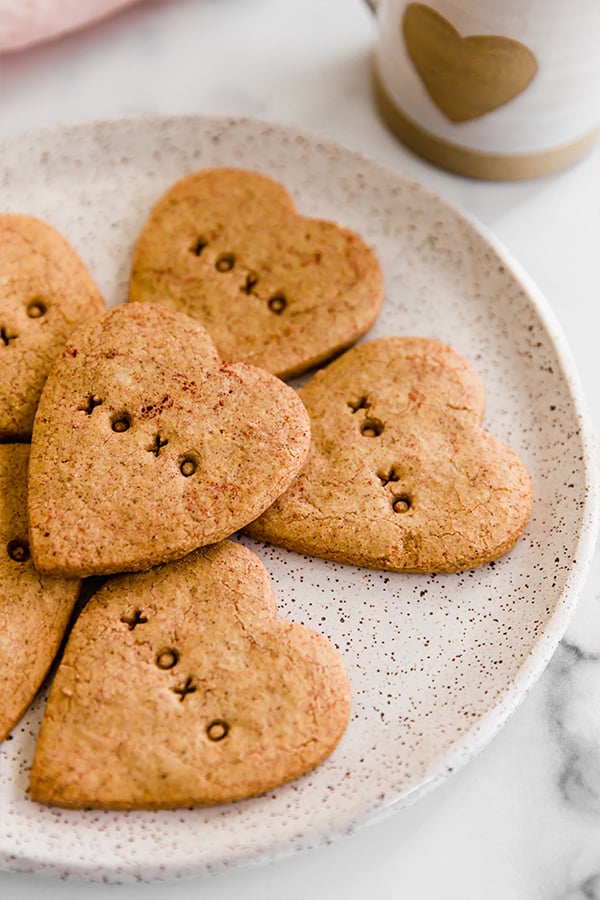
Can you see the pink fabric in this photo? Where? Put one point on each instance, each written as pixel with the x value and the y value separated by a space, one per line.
pixel 26 22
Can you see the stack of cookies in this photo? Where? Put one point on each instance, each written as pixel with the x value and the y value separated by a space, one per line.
pixel 162 427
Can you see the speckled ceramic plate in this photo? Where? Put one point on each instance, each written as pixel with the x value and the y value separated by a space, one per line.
pixel 437 663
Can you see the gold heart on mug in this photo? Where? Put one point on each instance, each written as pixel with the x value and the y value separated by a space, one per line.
pixel 466 77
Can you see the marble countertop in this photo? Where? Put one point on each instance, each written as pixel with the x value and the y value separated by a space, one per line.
pixel 522 819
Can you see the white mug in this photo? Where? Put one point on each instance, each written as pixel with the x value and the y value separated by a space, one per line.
pixel 495 89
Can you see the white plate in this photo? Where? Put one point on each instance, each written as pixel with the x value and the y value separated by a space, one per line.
pixel 437 663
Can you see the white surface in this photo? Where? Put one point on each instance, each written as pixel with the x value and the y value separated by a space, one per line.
pixel 437 663
pixel 521 820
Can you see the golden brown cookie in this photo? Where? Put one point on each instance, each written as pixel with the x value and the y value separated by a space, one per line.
pixel 146 446
pixel 181 687
pixel 401 474
pixel 34 610
pixel 273 288
pixel 45 293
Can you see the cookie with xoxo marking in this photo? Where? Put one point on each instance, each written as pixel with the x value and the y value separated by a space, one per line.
pixel 273 288
pixel 147 446
pixel 46 292
pixel 181 687
pixel 401 474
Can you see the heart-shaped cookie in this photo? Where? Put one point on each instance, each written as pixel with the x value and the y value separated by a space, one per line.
pixel 401 474
pixel 146 446
pixel 45 293
pixel 181 687
pixel 466 77
pixel 274 289
pixel 34 609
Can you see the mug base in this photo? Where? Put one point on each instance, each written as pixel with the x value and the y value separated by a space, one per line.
pixel 476 163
